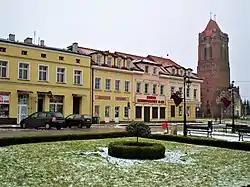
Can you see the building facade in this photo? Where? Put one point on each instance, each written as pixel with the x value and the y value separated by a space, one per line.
pixel 38 78
pixel 213 67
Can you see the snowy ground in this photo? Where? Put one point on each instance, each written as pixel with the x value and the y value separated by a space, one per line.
pixel 80 163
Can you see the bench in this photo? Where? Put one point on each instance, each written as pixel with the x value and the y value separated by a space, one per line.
pixel 201 128
pixel 243 132
pixel 237 127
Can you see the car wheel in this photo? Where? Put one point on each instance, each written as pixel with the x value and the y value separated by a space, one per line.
pixel 80 125
pixel 47 126
pixel 88 126
pixel 58 127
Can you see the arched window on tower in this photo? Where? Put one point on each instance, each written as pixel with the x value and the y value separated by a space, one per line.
pixel 210 52
pixel 205 53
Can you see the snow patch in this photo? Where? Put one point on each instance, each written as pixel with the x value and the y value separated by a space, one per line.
pixel 170 157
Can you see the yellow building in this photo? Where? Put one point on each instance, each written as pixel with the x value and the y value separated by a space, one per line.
pixel 34 77
pixel 112 85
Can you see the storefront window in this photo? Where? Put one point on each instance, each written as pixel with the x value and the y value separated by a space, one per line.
pixel 155 112
pixel 4 105
pixel 107 111
pixel 138 112
pixel 56 104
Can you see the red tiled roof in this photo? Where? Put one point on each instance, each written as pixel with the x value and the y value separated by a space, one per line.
pixel 86 51
pixel 134 57
pixel 163 61
pixel 212 25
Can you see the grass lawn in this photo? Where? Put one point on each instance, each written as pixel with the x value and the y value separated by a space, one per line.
pixel 60 164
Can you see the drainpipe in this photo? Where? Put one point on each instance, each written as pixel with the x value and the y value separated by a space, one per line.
pixel 92 90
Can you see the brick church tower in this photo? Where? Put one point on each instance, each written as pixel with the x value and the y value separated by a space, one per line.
pixel 213 67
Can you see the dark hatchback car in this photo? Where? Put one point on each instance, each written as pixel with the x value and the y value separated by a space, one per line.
pixel 78 120
pixel 43 119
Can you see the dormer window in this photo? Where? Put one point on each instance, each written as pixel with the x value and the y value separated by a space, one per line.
pixel 99 59
pixel 155 71
pixel 146 69
pixel 128 63
pixel 181 72
pixel 119 63
pixel 109 62
pixel 173 71
pixel 188 73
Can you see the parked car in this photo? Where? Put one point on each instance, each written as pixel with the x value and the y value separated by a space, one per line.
pixel 78 120
pixel 43 119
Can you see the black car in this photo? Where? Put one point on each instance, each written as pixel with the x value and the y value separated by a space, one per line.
pixel 78 120
pixel 43 119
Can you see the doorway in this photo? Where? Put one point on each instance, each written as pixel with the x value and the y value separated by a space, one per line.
pixel 22 107
pixel 76 105
pixel 146 114
pixel 40 103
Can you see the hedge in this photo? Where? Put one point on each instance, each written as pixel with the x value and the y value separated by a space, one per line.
pixel 203 141
pixel 56 137
pixel 136 150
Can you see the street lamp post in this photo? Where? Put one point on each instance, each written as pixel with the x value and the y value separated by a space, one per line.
pixel 188 82
pixel 232 91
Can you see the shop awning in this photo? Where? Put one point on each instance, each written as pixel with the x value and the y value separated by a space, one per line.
pixel 24 91
pixel 78 95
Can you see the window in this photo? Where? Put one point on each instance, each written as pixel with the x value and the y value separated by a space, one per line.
pixel 2 49
pixel 78 77
pixel 162 112
pixel 195 93
pixel 3 69
pixel 78 61
pixel 211 52
pixel 188 92
pixel 180 90
pixel 162 90
pixel 172 89
pixel 188 111
pixel 181 72
pixel 128 63
pixel 126 86
pixel 117 112
pixel 180 110
pixel 173 71
pixel 146 88
pixel 24 52
pixel 205 53
pixel 108 84
pixel 107 111
pixel 126 112
pixel 43 55
pixel 154 88
pixel 97 83
pixel 99 59
pixel 43 74
pixel 155 71
pixel 138 112
pixel 154 112
pixel 61 75
pixel 119 63
pixel 97 110
pixel 23 72
pixel 146 69
pixel 109 62
pixel 56 104
pixel 61 58
pixel 172 111
pixel 138 87
pixel 117 85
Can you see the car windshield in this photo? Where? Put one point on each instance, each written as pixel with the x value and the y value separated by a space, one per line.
pixel 86 116
pixel 58 115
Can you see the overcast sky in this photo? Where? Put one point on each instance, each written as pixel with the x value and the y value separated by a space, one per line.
pixel 141 27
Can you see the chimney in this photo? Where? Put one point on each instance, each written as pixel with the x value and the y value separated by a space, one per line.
pixel 42 43
pixel 75 47
pixel 12 37
pixel 28 40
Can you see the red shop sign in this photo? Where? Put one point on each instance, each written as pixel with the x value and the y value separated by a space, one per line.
pixel 150 101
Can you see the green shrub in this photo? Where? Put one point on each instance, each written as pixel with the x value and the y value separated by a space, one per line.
pixel 138 129
pixel 203 141
pixel 56 137
pixel 134 150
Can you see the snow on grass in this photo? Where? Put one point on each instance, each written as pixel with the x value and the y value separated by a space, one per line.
pixel 61 164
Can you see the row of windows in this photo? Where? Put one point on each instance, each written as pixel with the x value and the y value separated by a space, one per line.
pixel 157 112
pixel 187 91
pixel 108 85
pixel 43 55
pixel 180 111
pixel 43 73
pixel 107 111
pixel 147 88
pixel 119 62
